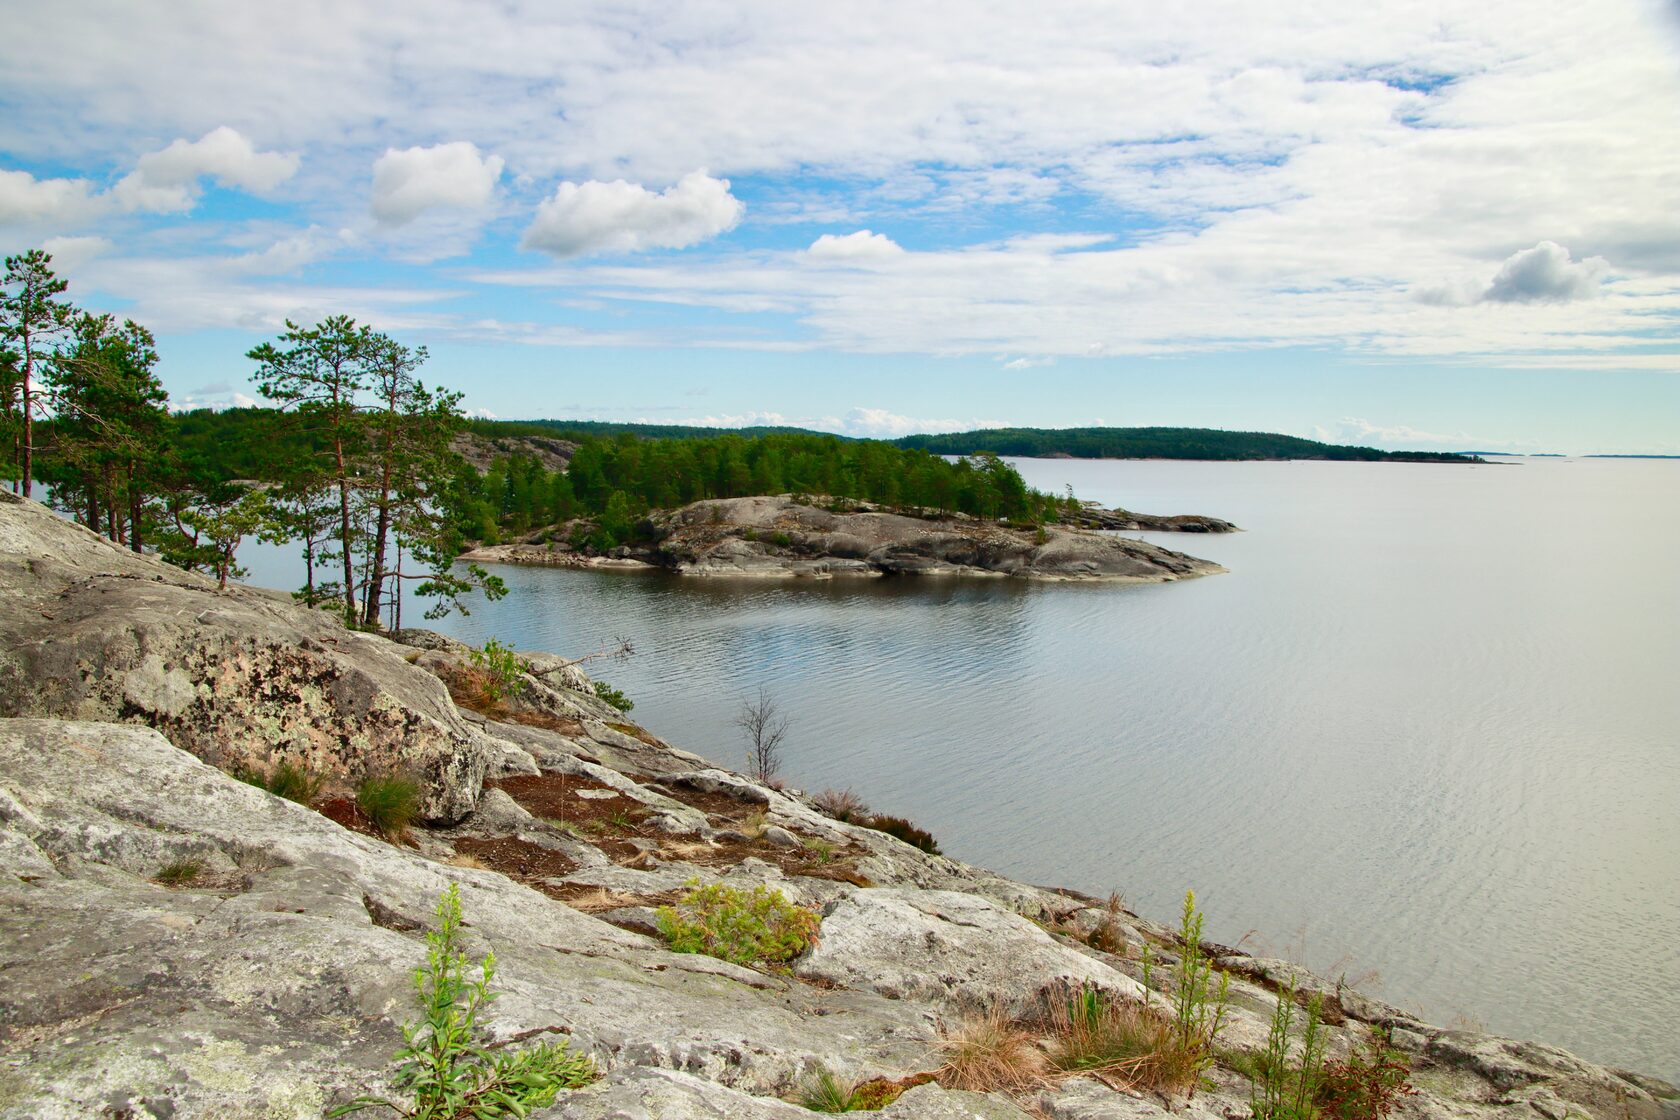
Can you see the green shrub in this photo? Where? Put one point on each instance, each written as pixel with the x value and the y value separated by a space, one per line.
pixel 450 1072
pixel 613 696
pixel 181 873
pixel 780 539
pixel 390 802
pixel 740 926
pixel 503 670
pixel 905 831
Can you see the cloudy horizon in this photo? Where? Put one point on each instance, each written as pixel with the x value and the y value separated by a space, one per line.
pixel 1418 226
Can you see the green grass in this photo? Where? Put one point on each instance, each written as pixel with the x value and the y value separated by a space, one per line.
pixel 827 1093
pixel 390 802
pixel 181 873
pixel 745 927
pixel 286 779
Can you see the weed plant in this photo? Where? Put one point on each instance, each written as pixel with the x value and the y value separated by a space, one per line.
pixel 744 927
pixel 1282 1091
pixel 1196 1003
pixel 390 802
pixel 1368 1085
pixel 842 805
pixel 1093 1033
pixel 445 1069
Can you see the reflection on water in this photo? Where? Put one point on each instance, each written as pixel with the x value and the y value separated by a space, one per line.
pixel 1427 725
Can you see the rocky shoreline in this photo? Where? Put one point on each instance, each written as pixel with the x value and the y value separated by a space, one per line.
pixel 780 537
pixel 272 981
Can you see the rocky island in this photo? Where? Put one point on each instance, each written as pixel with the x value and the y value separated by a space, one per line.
pixel 783 536
pixel 181 943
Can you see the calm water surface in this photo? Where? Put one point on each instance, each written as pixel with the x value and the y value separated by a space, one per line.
pixel 1428 724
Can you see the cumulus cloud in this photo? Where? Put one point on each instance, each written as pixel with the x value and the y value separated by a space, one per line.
pixel 25 199
pixel 70 253
pixel 596 217
pixel 409 182
pixel 861 246
pixel 1545 274
pixel 167 180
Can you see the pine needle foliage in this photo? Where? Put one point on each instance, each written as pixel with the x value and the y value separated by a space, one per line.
pixel 743 927
pixel 444 1066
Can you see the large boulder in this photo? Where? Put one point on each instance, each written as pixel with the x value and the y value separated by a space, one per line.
pixel 240 677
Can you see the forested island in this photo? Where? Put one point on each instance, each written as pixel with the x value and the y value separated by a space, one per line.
pixel 1160 443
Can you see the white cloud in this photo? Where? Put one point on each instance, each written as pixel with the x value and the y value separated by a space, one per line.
pixel 70 253
pixel 1362 433
pixel 597 217
pixel 860 247
pixel 1546 274
pixel 1028 363
pixel 167 180
pixel 409 182
pixel 25 199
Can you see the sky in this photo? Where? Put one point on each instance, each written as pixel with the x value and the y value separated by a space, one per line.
pixel 1413 224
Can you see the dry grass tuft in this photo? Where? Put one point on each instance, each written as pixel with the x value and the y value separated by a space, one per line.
pixel 841 804
pixel 687 849
pixel 464 859
pixel 603 899
pixel 1121 1042
pixel 989 1052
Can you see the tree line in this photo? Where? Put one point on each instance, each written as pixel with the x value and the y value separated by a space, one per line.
pixel 346 461
pixel 352 459
pixel 1159 443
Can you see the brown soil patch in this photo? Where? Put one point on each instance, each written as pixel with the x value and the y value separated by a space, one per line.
pixel 592 899
pixel 557 797
pixel 518 859
pixel 343 811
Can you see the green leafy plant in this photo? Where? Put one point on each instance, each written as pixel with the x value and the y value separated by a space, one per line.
pixel 905 831
pixel 1281 1091
pixel 821 850
pixel 445 1067
pixel 740 926
pixel 390 802
pixel 504 670
pixel 181 873
pixel 613 696
pixel 1197 1005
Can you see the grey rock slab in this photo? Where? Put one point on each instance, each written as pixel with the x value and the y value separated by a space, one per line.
pixel 956 950
pixel 931 1102
pixel 659 1094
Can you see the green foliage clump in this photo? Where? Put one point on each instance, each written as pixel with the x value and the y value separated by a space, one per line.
pixel 1281 1091
pixel 613 696
pixel 905 831
pixel 181 873
pixel 827 1093
pixel 287 779
pixel 502 668
pixel 445 1067
pixel 1195 1004
pixel 744 927
pixel 390 802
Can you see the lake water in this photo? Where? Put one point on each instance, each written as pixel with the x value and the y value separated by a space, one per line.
pixel 1428 724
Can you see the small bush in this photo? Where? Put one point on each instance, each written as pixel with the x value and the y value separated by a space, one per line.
pixel 739 926
pixel 446 1067
pixel 989 1052
pixel 842 805
pixel 502 668
pixel 780 540
pixel 181 873
pixel 1368 1085
pixel 905 831
pixel 613 696
pixel 390 802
